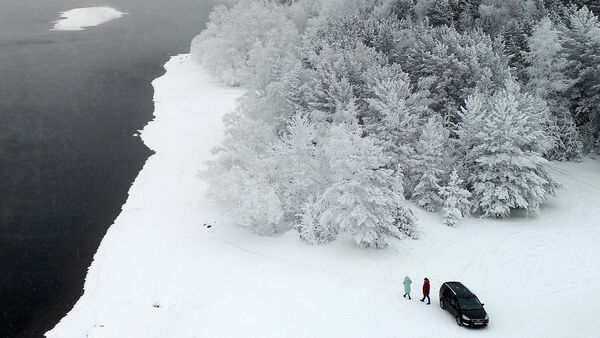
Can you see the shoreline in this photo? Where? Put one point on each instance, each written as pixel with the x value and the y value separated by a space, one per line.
pixel 186 125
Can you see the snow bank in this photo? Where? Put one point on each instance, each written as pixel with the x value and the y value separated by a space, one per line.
pixel 173 266
pixel 79 18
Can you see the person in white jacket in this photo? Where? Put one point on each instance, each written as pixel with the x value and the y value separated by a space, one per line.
pixel 407 282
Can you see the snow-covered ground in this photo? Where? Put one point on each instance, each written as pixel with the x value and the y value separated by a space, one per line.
pixel 79 18
pixel 161 271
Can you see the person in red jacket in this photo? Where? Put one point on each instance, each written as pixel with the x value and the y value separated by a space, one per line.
pixel 426 291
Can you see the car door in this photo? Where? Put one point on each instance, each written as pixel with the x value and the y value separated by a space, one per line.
pixel 453 308
pixel 446 296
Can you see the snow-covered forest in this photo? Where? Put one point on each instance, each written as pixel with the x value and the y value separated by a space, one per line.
pixel 355 107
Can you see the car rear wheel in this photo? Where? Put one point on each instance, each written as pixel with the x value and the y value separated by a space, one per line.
pixel 442 304
pixel 458 321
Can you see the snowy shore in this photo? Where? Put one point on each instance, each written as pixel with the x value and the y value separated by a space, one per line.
pixel 161 271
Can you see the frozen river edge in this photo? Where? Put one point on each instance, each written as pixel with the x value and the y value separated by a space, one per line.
pixel 186 125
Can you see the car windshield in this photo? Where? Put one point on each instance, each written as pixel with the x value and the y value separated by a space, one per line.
pixel 470 303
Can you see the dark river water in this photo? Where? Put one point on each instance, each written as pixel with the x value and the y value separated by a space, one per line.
pixel 69 104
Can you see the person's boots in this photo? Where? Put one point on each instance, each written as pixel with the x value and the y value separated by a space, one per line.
pixel 404 295
pixel 423 299
pixel 409 297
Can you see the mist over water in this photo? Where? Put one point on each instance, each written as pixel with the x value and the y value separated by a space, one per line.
pixel 70 102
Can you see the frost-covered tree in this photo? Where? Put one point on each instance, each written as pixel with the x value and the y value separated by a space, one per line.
pixel 547 79
pixel 465 12
pixel 298 165
pixel 310 226
pixel 456 200
pixel 243 175
pixel 454 63
pixel 546 62
pixel 346 32
pixel 514 36
pixel 427 165
pixel 504 137
pixel 364 199
pixel 592 5
pixel 394 113
pixel 403 9
pixel 439 13
pixel 246 39
pixel 581 48
pixel 337 76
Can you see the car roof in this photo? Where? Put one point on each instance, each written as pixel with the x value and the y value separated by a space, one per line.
pixel 459 289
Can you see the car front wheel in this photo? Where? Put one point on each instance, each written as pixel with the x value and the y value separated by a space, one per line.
pixel 458 321
pixel 442 304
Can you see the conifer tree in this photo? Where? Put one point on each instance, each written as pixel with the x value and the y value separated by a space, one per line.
pixel 364 199
pixel 394 113
pixel 439 13
pixel 504 138
pixel 581 48
pixel 456 200
pixel 427 165
pixel 545 70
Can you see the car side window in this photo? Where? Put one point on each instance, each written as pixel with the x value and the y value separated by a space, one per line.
pixel 447 294
pixel 453 301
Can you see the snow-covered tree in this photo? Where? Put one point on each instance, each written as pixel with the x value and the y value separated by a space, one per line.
pixel 300 170
pixel 581 48
pixel 547 79
pixel 403 9
pixel 456 200
pixel 310 226
pixel 465 13
pixel 244 175
pixel 364 199
pixel 246 39
pixel 545 61
pixel 504 137
pixel 454 63
pixel 427 165
pixel 337 77
pixel 514 35
pixel 394 113
pixel 439 13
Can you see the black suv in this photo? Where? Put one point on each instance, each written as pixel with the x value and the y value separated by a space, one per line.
pixel 463 305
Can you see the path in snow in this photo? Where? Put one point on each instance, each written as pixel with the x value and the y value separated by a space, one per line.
pixel 79 18
pixel 160 273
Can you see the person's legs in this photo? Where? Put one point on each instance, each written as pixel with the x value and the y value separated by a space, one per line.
pixel 408 296
pixel 428 300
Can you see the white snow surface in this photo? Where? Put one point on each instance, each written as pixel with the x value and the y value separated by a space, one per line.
pixel 159 272
pixel 79 18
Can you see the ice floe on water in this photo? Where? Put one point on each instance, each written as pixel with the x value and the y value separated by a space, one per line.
pixel 79 18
